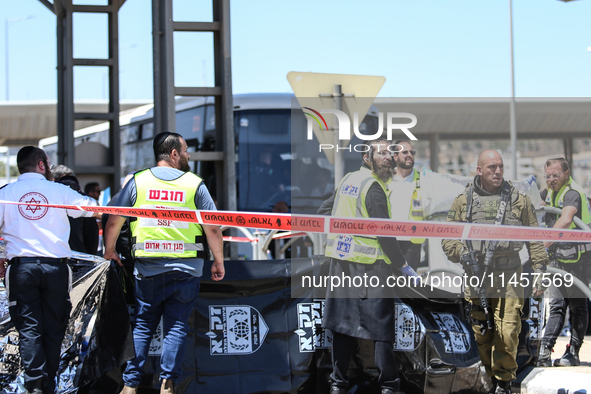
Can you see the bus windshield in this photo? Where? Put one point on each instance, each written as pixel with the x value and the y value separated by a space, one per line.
pixel 263 158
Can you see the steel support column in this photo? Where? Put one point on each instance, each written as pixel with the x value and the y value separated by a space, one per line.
pixel 568 152
pixel 434 151
pixel 163 52
pixel 66 116
pixel 165 89
pixel 224 104
pixel 114 104
pixel 65 83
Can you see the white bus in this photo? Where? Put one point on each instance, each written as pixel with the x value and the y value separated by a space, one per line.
pixel 268 169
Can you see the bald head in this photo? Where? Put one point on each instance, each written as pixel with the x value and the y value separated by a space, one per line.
pixel 488 155
pixel 490 168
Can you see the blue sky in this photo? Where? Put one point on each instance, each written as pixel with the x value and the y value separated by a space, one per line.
pixel 424 48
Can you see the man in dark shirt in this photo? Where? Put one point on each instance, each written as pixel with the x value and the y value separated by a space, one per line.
pixel 84 232
pixel 564 193
pixel 364 312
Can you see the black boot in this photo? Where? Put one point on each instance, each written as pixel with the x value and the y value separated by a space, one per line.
pixel 494 386
pixel 391 391
pixel 503 387
pixel 35 387
pixel 570 357
pixel 545 358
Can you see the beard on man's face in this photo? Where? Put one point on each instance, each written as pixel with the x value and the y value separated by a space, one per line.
pixel 406 166
pixel 47 174
pixel 185 166
pixel 385 171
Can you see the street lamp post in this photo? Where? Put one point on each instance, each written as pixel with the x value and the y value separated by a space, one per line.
pixel 512 120
pixel 7 24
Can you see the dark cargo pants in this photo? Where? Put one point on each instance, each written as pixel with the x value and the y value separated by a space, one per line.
pixel 565 296
pixel 39 305
pixel 498 347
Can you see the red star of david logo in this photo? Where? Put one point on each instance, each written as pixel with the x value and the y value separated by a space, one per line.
pixel 33 208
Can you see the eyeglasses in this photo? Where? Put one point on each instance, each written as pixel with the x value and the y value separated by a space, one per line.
pixel 383 153
pixel 553 176
pixel 407 152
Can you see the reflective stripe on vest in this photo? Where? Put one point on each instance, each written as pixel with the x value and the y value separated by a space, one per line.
pixel 157 238
pixel 350 202
pixel 558 202
pixel 166 245
pixel 416 204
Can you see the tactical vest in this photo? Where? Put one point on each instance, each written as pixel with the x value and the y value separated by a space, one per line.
pixel 570 252
pixel 484 210
pixel 161 238
pixel 350 202
pixel 416 204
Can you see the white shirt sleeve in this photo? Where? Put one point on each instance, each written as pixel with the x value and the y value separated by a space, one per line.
pixel 1 212
pixel 72 197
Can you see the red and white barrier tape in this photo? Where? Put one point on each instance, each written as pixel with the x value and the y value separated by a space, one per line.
pixel 338 225
pixel 241 239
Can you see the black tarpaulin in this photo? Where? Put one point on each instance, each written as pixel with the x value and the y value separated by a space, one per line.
pixel 249 335
pixel 97 339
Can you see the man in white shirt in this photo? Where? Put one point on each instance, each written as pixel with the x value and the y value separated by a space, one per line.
pixel 405 199
pixel 37 278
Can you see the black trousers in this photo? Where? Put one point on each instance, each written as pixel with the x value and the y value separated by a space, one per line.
pixel 343 349
pixel 571 297
pixel 39 308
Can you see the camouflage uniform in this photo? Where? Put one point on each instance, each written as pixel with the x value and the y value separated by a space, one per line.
pixel 497 347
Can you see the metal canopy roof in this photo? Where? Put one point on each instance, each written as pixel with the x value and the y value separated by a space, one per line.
pixel 26 122
pixel 488 118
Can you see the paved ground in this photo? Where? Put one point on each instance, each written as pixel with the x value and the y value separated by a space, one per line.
pixel 560 380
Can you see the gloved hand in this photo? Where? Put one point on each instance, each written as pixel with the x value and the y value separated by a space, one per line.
pixel 407 271
pixel 542 282
pixel 551 250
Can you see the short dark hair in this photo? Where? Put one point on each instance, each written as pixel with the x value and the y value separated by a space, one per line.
pixel 400 142
pixel 28 157
pixel 164 143
pixel 90 187
pixel 70 180
pixel 557 159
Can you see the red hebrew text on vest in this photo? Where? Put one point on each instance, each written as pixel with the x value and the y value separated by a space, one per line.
pixel 176 196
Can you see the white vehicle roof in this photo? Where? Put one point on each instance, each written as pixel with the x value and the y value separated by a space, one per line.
pixel 242 102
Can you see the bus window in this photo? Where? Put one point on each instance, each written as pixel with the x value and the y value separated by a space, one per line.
pixel 136 156
pixel 102 137
pixel 190 124
pixel 210 121
pixel 130 133
pixel 147 131
pixel 264 158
